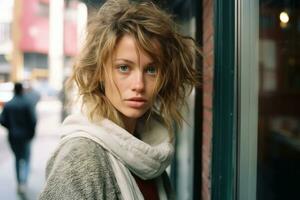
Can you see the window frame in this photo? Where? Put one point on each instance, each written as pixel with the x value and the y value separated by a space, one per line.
pixel 248 77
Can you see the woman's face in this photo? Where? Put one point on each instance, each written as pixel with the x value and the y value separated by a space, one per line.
pixel 131 90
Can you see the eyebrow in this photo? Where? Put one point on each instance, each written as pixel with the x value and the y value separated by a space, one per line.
pixel 124 60
pixel 131 62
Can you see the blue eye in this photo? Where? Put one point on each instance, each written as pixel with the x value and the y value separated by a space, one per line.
pixel 151 70
pixel 123 68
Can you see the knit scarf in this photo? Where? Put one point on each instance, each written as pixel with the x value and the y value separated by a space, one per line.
pixel 146 157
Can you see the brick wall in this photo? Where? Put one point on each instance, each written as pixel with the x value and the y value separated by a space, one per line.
pixel 208 69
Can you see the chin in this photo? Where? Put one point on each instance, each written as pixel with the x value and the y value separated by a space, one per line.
pixel 134 114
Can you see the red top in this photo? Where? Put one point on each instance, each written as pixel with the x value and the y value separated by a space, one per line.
pixel 147 187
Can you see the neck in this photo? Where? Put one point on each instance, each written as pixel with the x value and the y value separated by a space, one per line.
pixel 129 124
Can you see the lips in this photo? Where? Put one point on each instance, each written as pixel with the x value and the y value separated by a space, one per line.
pixel 136 102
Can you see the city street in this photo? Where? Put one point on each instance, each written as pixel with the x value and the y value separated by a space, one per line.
pixel 43 145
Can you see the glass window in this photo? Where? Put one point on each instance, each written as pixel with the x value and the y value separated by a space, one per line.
pixel 278 169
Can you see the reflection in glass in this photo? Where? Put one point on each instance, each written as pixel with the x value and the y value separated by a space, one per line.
pixel 278 170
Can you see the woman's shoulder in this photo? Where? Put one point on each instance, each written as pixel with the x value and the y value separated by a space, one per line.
pixel 80 169
pixel 80 149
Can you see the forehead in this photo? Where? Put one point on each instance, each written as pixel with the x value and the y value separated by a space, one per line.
pixel 128 47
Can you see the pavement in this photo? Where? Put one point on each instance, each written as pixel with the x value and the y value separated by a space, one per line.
pixel 43 145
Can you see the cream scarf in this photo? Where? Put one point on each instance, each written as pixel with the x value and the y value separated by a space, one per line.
pixel 147 158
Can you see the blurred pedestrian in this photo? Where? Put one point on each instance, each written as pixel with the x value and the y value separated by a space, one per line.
pixel 133 76
pixel 32 94
pixel 19 117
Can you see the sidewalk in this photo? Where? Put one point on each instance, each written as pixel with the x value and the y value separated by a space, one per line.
pixel 43 145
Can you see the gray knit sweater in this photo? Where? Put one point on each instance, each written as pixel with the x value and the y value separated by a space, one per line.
pixel 80 169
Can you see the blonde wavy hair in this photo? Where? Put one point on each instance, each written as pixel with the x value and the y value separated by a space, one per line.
pixel 146 23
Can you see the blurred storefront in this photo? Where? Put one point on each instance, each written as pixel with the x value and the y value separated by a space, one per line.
pixel 5 38
pixel 33 40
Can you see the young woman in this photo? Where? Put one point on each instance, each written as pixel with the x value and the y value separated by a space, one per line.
pixel 133 76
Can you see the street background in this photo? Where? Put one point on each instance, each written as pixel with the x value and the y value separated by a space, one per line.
pixel 46 139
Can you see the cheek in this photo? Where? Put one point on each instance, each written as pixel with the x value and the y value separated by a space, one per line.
pixel 151 87
pixel 113 89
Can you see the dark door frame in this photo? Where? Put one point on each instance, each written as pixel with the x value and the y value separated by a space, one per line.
pixel 224 102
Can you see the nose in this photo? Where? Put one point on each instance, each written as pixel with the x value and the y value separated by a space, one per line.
pixel 138 82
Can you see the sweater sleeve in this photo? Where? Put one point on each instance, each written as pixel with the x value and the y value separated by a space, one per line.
pixel 80 169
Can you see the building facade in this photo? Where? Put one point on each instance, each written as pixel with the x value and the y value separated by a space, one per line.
pixel 31 35
pixel 6 17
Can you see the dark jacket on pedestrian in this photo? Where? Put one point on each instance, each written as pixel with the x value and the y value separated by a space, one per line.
pixel 19 117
